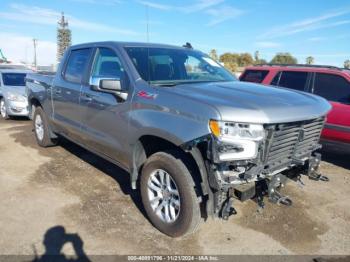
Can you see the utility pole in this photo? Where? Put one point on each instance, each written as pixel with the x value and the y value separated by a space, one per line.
pixel 147 23
pixel 35 41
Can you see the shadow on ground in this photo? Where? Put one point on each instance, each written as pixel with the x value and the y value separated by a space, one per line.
pixel 336 155
pixel 115 172
pixel 25 136
pixel 54 240
pixel 18 119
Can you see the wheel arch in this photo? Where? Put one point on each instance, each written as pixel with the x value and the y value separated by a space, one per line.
pixel 147 145
pixel 34 101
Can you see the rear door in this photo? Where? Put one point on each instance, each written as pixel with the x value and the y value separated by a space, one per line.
pixel 66 92
pixel 336 89
pixel 105 119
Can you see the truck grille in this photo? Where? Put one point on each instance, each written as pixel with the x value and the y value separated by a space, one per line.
pixel 292 141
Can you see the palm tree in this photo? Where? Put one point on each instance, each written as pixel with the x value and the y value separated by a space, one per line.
pixel 347 64
pixel 310 60
pixel 214 55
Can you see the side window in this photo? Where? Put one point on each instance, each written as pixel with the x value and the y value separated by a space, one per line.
pixel 332 87
pixel 276 79
pixel 76 65
pixel 193 66
pixel 203 68
pixel 255 76
pixel 162 67
pixel 107 64
pixel 293 80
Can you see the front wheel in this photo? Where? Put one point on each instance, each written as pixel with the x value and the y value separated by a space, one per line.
pixel 168 194
pixel 42 129
pixel 3 110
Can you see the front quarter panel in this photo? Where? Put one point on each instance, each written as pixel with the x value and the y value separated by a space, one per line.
pixel 157 112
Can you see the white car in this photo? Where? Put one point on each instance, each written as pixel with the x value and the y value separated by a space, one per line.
pixel 13 98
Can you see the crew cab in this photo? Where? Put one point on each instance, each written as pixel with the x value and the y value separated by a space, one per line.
pixel 330 82
pixel 192 137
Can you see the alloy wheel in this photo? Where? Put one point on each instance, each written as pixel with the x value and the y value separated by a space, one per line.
pixel 164 196
pixel 39 127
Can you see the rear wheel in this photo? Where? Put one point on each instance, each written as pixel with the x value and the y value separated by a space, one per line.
pixel 42 129
pixel 168 194
pixel 3 110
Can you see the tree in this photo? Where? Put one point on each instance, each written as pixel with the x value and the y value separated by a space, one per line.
pixel 214 55
pixel 284 58
pixel 231 66
pixel 257 60
pixel 261 62
pixel 257 56
pixel 245 59
pixel 347 64
pixel 233 60
pixel 230 61
pixel 310 60
pixel 229 58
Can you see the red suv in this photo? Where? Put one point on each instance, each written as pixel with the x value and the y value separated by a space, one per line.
pixel 329 82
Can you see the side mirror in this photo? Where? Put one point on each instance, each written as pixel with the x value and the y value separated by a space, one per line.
pixel 108 85
pixel 111 85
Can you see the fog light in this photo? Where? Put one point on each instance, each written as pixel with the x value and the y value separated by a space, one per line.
pixel 227 148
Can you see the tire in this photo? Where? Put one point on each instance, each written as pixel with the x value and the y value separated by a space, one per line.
pixel 3 110
pixel 31 112
pixel 42 129
pixel 186 217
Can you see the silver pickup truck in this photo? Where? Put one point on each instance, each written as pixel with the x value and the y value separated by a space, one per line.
pixel 192 137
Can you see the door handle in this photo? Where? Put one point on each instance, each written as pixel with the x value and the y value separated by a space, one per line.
pixel 58 91
pixel 87 97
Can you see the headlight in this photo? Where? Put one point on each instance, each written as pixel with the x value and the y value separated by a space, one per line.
pixel 18 98
pixel 237 141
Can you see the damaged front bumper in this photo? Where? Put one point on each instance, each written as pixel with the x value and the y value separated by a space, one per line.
pixel 286 153
pixel 236 184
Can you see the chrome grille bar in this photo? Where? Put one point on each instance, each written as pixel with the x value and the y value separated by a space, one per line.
pixel 292 141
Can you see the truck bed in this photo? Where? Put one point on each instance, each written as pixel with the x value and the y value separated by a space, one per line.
pixel 40 79
pixel 37 85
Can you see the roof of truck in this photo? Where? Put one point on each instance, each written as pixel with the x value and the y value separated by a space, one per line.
pixel 130 44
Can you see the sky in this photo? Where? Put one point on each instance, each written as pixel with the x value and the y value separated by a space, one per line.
pixel 318 28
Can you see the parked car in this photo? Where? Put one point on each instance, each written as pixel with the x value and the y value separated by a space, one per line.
pixel 191 136
pixel 329 82
pixel 13 100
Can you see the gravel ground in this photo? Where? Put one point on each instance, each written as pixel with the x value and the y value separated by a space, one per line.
pixel 67 197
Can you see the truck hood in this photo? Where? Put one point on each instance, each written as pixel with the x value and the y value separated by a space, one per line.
pixel 254 103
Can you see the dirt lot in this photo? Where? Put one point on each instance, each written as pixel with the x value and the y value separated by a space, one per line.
pixel 42 189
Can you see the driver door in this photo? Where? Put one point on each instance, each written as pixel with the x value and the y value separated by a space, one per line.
pixel 104 120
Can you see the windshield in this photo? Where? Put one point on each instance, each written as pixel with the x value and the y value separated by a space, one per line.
pixel 175 66
pixel 13 79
